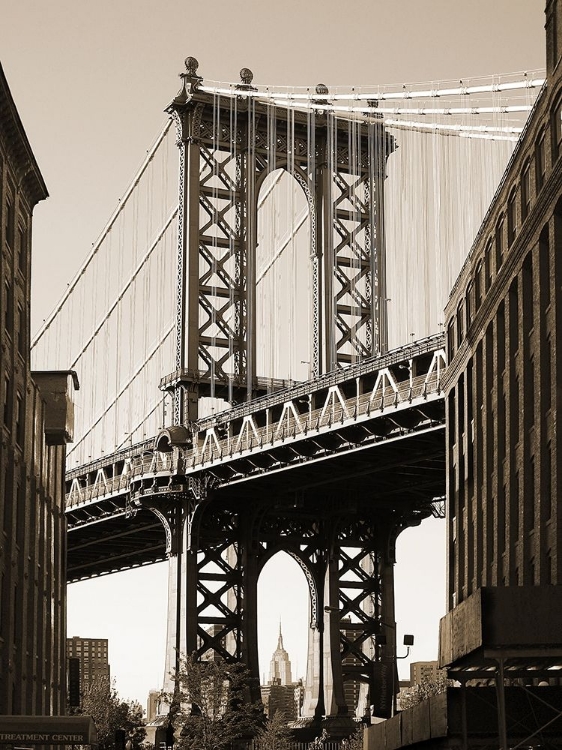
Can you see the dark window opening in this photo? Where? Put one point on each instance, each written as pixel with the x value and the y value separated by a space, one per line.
pixel 540 161
pixel 526 190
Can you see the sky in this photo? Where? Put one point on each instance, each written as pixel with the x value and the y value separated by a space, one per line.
pixel 91 81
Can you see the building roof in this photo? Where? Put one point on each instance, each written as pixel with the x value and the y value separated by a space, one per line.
pixel 15 140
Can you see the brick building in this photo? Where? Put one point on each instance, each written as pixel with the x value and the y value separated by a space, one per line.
pixel 93 657
pixel 504 319
pixel 36 424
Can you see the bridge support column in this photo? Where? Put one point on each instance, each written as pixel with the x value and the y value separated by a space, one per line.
pixel 334 698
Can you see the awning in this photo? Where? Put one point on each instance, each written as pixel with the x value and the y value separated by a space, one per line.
pixel 47 730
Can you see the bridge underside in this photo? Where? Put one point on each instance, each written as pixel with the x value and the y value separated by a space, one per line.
pixel 329 475
pixel 406 473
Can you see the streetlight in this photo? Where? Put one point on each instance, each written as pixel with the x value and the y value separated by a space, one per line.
pixel 380 640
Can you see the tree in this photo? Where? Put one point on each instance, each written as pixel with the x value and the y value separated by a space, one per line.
pixel 101 701
pixel 354 741
pixel 213 707
pixel 318 742
pixel 426 689
pixel 275 735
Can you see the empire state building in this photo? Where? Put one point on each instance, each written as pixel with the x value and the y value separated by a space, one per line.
pixel 280 665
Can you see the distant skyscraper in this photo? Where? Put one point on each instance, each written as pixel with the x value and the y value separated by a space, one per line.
pixel 281 693
pixel 280 664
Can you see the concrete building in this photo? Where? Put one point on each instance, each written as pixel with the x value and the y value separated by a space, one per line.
pixel 37 423
pixel 93 657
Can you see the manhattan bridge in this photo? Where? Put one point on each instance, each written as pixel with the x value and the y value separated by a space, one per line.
pixel 260 354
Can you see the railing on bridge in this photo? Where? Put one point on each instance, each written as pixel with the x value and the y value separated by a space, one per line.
pixel 376 399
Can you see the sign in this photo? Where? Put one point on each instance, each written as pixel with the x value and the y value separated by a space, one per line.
pixel 382 688
pixel 47 730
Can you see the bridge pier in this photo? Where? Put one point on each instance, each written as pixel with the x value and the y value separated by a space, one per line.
pixel 348 559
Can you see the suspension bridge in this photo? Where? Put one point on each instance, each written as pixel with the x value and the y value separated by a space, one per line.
pixel 257 338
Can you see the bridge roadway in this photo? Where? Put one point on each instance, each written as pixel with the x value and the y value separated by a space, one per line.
pixel 371 434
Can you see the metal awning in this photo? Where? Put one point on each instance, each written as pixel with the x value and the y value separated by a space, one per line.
pixel 47 730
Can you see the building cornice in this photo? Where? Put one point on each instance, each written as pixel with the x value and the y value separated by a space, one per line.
pixel 527 237
pixel 17 145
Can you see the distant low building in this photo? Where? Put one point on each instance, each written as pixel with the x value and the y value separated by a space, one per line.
pixel 425 671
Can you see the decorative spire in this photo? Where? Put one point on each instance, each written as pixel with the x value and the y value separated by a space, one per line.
pixel 246 78
pixel 280 640
pixel 190 83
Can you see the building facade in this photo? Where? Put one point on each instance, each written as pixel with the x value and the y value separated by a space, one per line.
pixel 504 400
pixel 425 671
pixel 93 657
pixel 36 424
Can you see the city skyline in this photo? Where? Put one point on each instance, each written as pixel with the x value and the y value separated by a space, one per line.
pixel 45 256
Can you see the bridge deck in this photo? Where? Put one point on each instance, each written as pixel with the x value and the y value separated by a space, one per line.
pixel 371 436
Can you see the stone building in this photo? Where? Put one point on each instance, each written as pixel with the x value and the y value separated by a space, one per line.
pixel 36 425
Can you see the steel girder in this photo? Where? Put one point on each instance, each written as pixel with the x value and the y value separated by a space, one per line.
pixel 347 556
pixel 227 146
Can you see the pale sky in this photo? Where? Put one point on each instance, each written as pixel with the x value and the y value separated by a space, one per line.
pixel 91 80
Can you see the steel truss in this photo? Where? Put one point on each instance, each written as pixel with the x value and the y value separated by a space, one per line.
pixel 347 557
pixel 227 148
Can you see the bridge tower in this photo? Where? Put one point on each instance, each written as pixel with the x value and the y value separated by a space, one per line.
pixel 228 145
pixel 220 542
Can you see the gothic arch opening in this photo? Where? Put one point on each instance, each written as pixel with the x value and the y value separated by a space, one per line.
pixel 283 603
pixel 284 280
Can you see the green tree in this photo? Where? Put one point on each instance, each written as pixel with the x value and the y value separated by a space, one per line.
pixel 275 735
pixel 213 707
pixel 101 701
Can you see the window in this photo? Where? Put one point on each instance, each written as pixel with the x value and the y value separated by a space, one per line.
pixel 8 307
pixel 19 419
pixel 525 190
pixel 460 323
pixel 540 161
pixel 22 248
pixel 451 339
pixel 511 217
pixel 478 287
pixel 21 330
pixel 487 266
pixel 498 243
pixel 557 130
pixel 9 225
pixel 7 394
pixel 468 305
